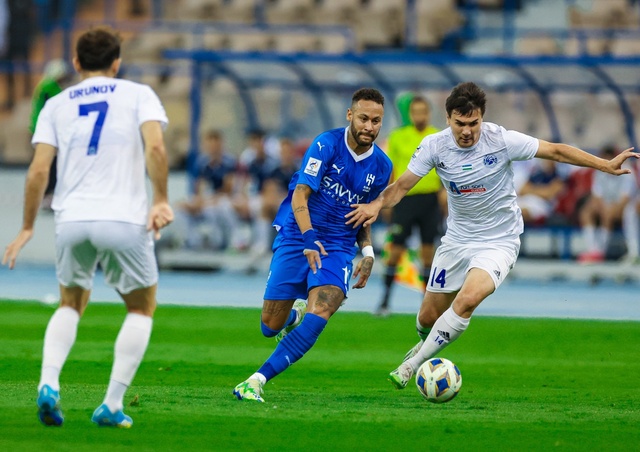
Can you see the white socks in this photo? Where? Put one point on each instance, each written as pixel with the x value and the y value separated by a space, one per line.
pixel 58 340
pixel 259 377
pixel 423 331
pixel 447 329
pixel 130 347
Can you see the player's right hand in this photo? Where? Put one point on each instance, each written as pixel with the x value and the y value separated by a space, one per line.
pixel 13 249
pixel 313 256
pixel 160 216
pixel 362 214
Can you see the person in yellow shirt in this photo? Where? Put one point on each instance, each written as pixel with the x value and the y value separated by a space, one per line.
pixel 420 207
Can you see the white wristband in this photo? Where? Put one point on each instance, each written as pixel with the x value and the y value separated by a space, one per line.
pixel 367 251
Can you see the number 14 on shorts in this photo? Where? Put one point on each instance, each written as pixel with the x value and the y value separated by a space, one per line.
pixel 438 277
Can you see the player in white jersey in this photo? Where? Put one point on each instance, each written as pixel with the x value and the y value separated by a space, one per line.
pixel 105 132
pixel 480 247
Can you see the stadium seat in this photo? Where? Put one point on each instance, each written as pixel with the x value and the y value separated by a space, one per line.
pixel 336 12
pixel 537 45
pixel 14 135
pixel 289 11
pixel 387 18
pixel 625 46
pixel 295 42
pixel 250 41
pixel 212 41
pixel 239 11
pixel 334 43
pixel 177 135
pixel 435 19
pixel 149 45
pixel 174 87
pixel 194 10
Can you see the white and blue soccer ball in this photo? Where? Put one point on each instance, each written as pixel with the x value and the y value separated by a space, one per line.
pixel 438 380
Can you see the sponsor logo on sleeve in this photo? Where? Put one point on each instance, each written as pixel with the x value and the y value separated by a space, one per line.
pixel 313 166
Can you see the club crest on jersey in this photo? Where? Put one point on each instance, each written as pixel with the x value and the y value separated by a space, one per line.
pixel 490 160
pixel 313 166
pixel 370 179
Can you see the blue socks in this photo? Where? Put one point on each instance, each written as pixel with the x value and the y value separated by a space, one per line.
pixel 293 346
pixel 268 332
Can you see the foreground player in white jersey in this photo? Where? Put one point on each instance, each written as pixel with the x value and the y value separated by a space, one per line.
pixel 103 130
pixel 480 247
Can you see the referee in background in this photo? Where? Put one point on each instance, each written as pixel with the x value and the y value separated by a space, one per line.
pixel 421 205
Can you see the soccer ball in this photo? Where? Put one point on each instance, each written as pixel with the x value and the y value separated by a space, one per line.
pixel 438 380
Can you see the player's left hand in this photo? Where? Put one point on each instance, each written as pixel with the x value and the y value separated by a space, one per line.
pixel 614 165
pixel 363 270
pixel 13 249
pixel 160 216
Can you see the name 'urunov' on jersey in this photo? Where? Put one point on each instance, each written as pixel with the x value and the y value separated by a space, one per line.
pixel 89 90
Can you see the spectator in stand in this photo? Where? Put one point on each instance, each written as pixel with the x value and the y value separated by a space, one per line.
pixel 256 166
pixel 610 204
pixel 211 198
pixel 538 196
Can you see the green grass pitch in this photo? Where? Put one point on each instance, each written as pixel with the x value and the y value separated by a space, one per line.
pixel 528 384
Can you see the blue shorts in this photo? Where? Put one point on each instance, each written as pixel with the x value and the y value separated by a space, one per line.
pixel 291 278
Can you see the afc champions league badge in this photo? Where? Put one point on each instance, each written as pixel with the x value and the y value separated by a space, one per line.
pixel 490 160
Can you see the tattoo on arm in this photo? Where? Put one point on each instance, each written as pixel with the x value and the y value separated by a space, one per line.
pixel 367 265
pixel 300 209
pixel 364 237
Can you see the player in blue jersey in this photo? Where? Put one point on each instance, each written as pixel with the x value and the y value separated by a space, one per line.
pixel 314 248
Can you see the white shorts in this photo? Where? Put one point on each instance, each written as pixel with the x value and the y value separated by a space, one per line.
pixel 124 250
pixel 452 262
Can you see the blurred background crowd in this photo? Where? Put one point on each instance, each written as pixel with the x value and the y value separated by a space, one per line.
pixel 247 84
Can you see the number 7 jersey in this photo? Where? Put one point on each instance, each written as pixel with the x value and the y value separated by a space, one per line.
pixel 95 126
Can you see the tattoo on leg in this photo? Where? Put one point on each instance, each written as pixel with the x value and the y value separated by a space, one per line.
pixel 329 299
pixel 274 308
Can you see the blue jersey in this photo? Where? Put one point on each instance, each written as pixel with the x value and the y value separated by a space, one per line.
pixel 338 177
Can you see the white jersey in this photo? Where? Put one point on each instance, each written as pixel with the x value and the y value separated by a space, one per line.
pixel 478 180
pixel 95 125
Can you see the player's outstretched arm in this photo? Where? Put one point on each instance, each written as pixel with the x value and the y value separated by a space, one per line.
pixel 37 179
pixel 365 265
pixel 161 214
pixel 564 153
pixel 312 246
pixel 366 214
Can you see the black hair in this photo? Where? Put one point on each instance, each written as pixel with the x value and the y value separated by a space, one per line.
pixel 465 98
pixel 367 94
pixel 98 48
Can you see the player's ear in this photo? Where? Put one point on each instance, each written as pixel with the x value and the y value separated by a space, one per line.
pixel 76 65
pixel 349 115
pixel 115 66
pixel 448 119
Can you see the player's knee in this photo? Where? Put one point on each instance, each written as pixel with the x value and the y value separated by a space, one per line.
pixel 267 331
pixel 428 315
pixel 467 302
